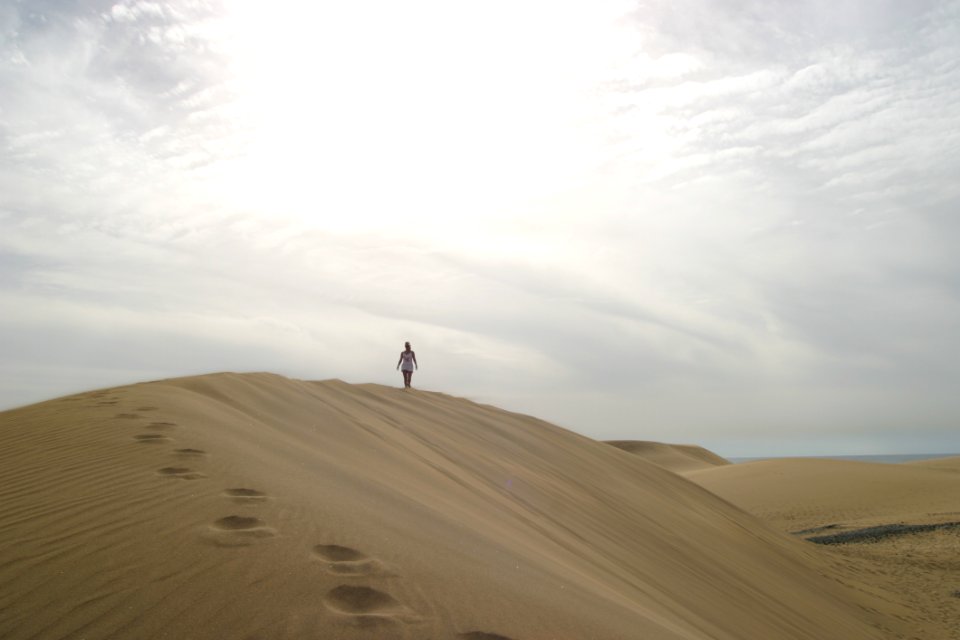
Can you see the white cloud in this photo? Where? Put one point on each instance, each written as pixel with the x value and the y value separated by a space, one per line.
pixel 700 222
pixel 135 10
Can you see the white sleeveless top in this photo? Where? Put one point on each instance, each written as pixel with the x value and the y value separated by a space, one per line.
pixel 407 361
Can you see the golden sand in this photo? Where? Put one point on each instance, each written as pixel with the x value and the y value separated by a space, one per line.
pixel 680 458
pixel 892 527
pixel 258 507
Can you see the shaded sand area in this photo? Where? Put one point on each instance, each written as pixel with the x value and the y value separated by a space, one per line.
pixel 895 526
pixel 258 507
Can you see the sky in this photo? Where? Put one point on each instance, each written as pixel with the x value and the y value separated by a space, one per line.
pixel 729 223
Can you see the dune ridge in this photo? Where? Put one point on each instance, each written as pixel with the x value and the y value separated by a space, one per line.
pixel 679 458
pixel 255 506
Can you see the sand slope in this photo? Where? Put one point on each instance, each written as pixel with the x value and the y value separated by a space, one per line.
pixel 257 507
pixel 894 526
pixel 679 458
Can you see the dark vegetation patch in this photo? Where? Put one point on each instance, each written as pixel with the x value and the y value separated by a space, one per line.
pixel 881 532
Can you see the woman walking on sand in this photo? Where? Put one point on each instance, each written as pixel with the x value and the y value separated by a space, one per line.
pixel 407 363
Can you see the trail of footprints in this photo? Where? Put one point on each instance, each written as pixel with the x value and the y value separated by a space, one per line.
pixel 229 531
pixel 357 604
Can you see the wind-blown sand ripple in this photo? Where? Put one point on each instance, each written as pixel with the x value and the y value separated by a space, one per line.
pixel 494 525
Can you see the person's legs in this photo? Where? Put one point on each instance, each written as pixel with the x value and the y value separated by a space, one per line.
pixel 406 378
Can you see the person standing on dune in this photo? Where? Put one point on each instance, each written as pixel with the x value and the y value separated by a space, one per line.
pixel 407 363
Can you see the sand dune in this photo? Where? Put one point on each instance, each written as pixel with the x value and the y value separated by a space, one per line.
pixel 679 458
pixel 800 493
pixel 895 525
pixel 257 507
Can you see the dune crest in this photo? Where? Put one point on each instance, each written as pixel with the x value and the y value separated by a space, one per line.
pixel 255 506
pixel 679 458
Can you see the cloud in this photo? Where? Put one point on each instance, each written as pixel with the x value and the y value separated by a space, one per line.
pixel 102 111
pixel 834 96
pixel 705 220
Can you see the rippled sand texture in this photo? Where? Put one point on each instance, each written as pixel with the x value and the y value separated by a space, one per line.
pixel 258 507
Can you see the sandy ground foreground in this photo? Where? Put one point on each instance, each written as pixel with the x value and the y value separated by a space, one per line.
pixel 258 507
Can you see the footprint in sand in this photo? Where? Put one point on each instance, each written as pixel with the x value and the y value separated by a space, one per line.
pixel 183 473
pixel 190 453
pixel 245 495
pixel 237 531
pixel 147 408
pixel 161 425
pixel 151 438
pixel 128 416
pixel 365 606
pixel 344 561
pixel 482 635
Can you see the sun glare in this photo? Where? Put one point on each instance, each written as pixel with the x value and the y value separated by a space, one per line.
pixel 365 116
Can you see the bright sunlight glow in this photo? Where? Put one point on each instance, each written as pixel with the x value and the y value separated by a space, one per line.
pixel 438 113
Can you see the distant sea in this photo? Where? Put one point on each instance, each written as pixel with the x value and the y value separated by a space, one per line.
pixel 888 458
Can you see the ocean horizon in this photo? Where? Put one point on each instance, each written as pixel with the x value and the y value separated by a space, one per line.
pixel 884 458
